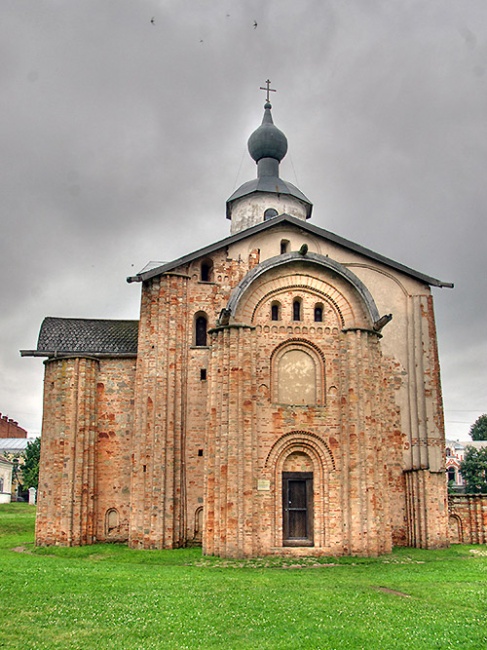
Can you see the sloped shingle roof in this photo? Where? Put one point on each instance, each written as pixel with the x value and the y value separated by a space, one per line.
pixel 66 336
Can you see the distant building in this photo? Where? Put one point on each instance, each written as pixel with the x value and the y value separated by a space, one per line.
pixel 10 428
pixel 6 469
pixel 455 453
pixel 13 451
pixel 467 513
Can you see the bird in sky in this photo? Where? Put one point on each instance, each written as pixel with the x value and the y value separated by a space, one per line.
pixel 153 22
pixel 255 24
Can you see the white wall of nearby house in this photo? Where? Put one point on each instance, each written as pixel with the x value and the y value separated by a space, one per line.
pixel 5 480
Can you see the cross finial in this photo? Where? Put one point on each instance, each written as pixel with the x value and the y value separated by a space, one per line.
pixel 268 88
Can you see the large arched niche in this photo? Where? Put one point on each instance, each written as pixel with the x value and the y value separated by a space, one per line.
pixel 305 452
pixel 333 282
pixel 298 374
pixel 455 529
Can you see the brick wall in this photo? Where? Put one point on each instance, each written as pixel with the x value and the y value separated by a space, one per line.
pixel 84 483
pixel 467 518
pixel 137 449
pixel 10 429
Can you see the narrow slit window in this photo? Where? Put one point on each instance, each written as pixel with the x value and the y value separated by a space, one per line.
pixel 275 311
pixel 318 313
pixel 201 327
pixel 284 246
pixel 297 310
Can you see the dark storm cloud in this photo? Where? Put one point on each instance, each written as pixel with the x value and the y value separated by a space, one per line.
pixel 122 139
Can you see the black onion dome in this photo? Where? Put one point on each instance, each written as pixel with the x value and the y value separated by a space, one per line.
pixel 267 141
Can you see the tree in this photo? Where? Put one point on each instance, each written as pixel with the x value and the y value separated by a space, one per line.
pixel 474 470
pixel 30 468
pixel 478 430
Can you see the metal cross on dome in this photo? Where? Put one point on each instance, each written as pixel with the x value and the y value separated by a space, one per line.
pixel 268 89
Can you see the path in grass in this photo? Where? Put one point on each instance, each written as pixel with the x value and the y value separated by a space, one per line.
pixel 110 597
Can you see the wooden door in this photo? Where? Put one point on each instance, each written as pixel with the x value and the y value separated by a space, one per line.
pixel 297 496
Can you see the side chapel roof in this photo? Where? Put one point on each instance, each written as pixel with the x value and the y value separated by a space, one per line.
pixel 94 337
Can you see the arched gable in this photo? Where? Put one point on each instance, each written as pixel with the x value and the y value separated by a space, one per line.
pixel 339 286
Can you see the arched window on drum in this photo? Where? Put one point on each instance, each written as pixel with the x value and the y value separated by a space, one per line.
pixel 318 312
pixel 297 309
pixel 276 310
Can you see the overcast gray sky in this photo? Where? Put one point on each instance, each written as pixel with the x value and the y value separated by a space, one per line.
pixel 122 139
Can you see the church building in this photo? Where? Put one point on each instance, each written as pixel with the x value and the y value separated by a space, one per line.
pixel 280 394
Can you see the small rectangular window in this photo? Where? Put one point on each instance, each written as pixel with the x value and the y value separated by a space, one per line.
pixel 200 452
pixel 206 268
pixel 203 374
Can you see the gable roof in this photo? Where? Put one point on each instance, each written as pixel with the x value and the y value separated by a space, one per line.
pixel 93 337
pixel 303 225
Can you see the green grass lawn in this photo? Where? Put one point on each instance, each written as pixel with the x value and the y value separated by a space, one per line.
pixel 110 597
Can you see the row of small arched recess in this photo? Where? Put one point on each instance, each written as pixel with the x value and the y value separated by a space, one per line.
pixel 112 523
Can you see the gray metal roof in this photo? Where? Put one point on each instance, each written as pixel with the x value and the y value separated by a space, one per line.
pixel 13 445
pixel 93 337
pixel 267 141
pixel 302 225
pixel 267 146
pixel 268 184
